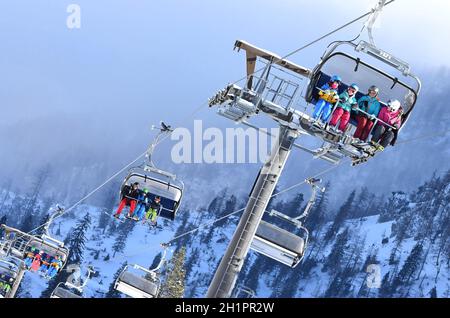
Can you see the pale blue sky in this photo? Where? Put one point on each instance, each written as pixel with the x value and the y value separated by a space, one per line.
pixel 138 54
pixel 90 94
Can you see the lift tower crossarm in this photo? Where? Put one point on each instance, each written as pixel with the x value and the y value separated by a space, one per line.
pixel 253 52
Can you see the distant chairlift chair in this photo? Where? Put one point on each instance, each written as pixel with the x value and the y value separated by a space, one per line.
pixel 280 244
pixel 144 285
pixel 18 244
pixel 158 182
pixel 66 289
pixel 61 292
pixel 12 268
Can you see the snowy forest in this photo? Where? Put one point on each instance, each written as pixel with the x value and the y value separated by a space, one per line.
pixel 80 101
pixel 405 234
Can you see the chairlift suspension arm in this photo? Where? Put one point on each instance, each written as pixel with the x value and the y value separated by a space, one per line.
pixel 163 259
pixel 373 18
pixel 311 201
pixel 58 212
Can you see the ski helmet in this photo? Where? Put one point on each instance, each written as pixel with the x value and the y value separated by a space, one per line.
pixel 375 89
pixel 336 78
pixel 145 190
pixel 355 87
pixel 394 105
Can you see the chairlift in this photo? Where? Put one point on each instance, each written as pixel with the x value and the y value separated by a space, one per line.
pixel 282 245
pixel 18 244
pixel 158 182
pixel 243 292
pixel 12 270
pixel 146 284
pixel 395 80
pixel 260 95
pixel 49 246
pixel 67 289
pixel 61 292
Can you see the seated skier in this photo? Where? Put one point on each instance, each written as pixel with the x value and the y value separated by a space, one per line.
pixel 36 264
pixel 347 101
pixel 5 285
pixel 370 104
pixel 45 264
pixel 142 205
pixel 54 267
pixel 392 115
pixel 130 195
pixel 30 257
pixel 154 210
pixel 328 96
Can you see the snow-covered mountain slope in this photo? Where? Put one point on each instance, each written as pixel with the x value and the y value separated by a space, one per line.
pixel 397 247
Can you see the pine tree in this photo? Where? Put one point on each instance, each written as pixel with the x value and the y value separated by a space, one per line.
pixel 44 220
pixel 31 206
pixel 433 292
pixel 112 293
pixel 294 207
pixel 341 216
pixel 174 285
pixel 3 220
pixel 411 265
pixel 334 259
pixel 124 230
pixel 386 288
pixel 28 222
pixel 364 205
pixel 5 197
pixel 77 240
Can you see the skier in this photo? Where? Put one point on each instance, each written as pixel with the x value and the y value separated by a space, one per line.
pixel 142 205
pixel 392 115
pixel 154 210
pixel 130 194
pixel 371 105
pixel 30 256
pixel 328 96
pixel 55 265
pixel 37 261
pixel 5 285
pixel 45 264
pixel 347 101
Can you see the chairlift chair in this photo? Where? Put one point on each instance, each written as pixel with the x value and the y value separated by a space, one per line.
pixel 14 268
pixel 62 292
pixel 146 284
pixel 282 245
pixel 11 274
pixel 400 83
pixel 390 74
pixel 49 246
pixel 243 292
pixel 66 289
pixel 279 244
pixel 138 286
pixel 158 183
pixel 20 243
